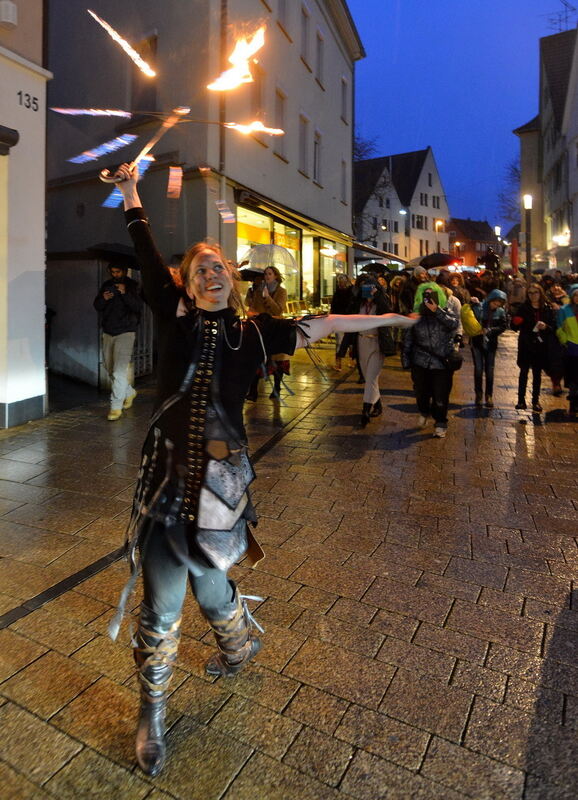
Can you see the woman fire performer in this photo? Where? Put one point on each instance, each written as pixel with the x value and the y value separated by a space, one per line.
pixel 192 504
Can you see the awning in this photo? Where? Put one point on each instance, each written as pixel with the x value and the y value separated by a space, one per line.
pixel 251 199
pixel 375 253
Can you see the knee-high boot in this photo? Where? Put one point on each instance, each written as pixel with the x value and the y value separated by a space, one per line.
pixel 237 644
pixel 157 642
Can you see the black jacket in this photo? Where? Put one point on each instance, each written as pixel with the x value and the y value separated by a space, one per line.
pixel 384 335
pixel 537 348
pixel 431 340
pixel 120 314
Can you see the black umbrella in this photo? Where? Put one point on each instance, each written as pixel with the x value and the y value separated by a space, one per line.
pixel 378 268
pixel 251 273
pixel 116 254
pixel 439 260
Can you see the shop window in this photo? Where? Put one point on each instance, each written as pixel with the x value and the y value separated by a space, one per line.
pixel 289 238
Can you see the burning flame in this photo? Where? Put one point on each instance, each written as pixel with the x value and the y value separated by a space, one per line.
pixel 254 127
pixel 239 58
pixel 93 112
pixel 130 51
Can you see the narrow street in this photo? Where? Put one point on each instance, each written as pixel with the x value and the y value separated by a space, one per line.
pixel 418 594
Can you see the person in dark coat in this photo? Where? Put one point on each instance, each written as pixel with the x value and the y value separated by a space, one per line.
pixel 492 317
pixel 340 303
pixel 119 305
pixel 192 502
pixel 536 322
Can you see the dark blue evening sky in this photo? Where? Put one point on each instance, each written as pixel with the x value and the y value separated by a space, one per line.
pixel 458 75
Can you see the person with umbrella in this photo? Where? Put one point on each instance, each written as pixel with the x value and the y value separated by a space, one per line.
pixel 192 502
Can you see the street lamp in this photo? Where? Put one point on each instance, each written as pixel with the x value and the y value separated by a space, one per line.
pixel 528 208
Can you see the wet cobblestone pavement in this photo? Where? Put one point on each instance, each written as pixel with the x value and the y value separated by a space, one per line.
pixel 420 606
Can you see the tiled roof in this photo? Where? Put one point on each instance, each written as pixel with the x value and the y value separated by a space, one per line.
pixel 556 54
pixel 404 168
pixel 476 230
pixel 533 125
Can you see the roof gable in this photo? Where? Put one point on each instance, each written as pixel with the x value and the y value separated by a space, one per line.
pixel 473 229
pixel 556 54
pixel 404 169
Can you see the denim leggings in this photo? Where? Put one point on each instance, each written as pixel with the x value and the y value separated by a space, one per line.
pixel 165 578
pixel 484 361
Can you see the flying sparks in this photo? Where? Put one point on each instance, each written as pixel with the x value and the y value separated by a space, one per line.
pixel 107 147
pixel 130 51
pixel 240 72
pixel 254 127
pixel 92 112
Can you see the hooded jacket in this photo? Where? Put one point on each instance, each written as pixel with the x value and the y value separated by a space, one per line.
pixel 494 321
pixel 567 319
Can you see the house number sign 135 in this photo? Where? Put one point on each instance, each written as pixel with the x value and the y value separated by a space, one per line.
pixel 26 100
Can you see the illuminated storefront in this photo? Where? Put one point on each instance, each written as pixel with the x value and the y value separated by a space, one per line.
pixel 317 258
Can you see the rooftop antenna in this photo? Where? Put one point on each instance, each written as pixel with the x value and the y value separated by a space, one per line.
pixel 561 20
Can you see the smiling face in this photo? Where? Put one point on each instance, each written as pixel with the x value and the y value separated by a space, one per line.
pixel 209 281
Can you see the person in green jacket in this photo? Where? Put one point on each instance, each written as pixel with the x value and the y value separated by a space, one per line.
pixel 567 333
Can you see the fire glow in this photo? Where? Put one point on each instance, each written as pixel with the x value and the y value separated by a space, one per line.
pixel 240 72
pixel 92 112
pixel 107 147
pixel 254 127
pixel 130 51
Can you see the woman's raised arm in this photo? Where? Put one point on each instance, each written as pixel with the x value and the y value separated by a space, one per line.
pixel 320 327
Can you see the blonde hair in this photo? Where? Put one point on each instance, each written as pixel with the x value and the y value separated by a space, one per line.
pixel 235 302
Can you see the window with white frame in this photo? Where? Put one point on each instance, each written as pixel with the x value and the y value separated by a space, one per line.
pixel 344 99
pixel 343 181
pixel 319 56
pixel 305 25
pixel 317 141
pixel 280 122
pixel 303 144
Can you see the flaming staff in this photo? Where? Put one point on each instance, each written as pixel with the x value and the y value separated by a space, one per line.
pixel 130 51
pixel 178 113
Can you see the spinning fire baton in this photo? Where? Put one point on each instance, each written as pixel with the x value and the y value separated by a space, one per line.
pixel 107 177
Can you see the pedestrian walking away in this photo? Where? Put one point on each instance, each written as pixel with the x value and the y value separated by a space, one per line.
pixel 119 304
pixel 427 348
pixel 192 503
pixel 492 317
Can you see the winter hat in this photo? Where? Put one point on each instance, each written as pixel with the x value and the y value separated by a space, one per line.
pixel 497 294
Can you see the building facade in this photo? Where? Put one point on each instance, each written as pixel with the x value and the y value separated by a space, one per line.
pixel 400 204
pixel 470 239
pixel 23 78
pixel 293 190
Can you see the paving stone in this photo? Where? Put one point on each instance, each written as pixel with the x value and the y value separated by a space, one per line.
pixel 472 773
pixel 372 778
pixel 315 599
pixel 89 775
pixel 492 576
pixel 32 746
pixel 107 658
pixel 420 559
pixel 502 601
pixel 420 701
pixel 48 684
pixel 16 652
pixel 343 673
pixel 78 607
pixel 265 687
pixel 539 789
pixel 104 717
pixel 318 755
pixel 544 671
pixel 263 777
pixel 452 642
pixel 413 657
pixel 278 612
pixel 396 625
pixel 280 562
pixel 256 725
pixel 540 587
pixel 451 587
pixel 375 566
pixel 23 581
pixel 16 787
pixel 332 578
pixel 410 600
pixel 279 646
pixel 383 736
pixel 52 630
pixel 352 611
pixel 360 639
pixel 480 681
pixel 262 584
pixel 52 518
pixel 535 699
pixel 495 626
pixel 198 698
pixel 318 709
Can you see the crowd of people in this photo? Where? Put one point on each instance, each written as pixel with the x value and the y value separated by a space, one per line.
pixel 459 308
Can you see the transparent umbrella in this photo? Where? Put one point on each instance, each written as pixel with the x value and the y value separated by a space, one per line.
pixel 269 255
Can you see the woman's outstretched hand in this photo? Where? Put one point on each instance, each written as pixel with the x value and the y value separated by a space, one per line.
pixel 399 321
pixel 128 174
